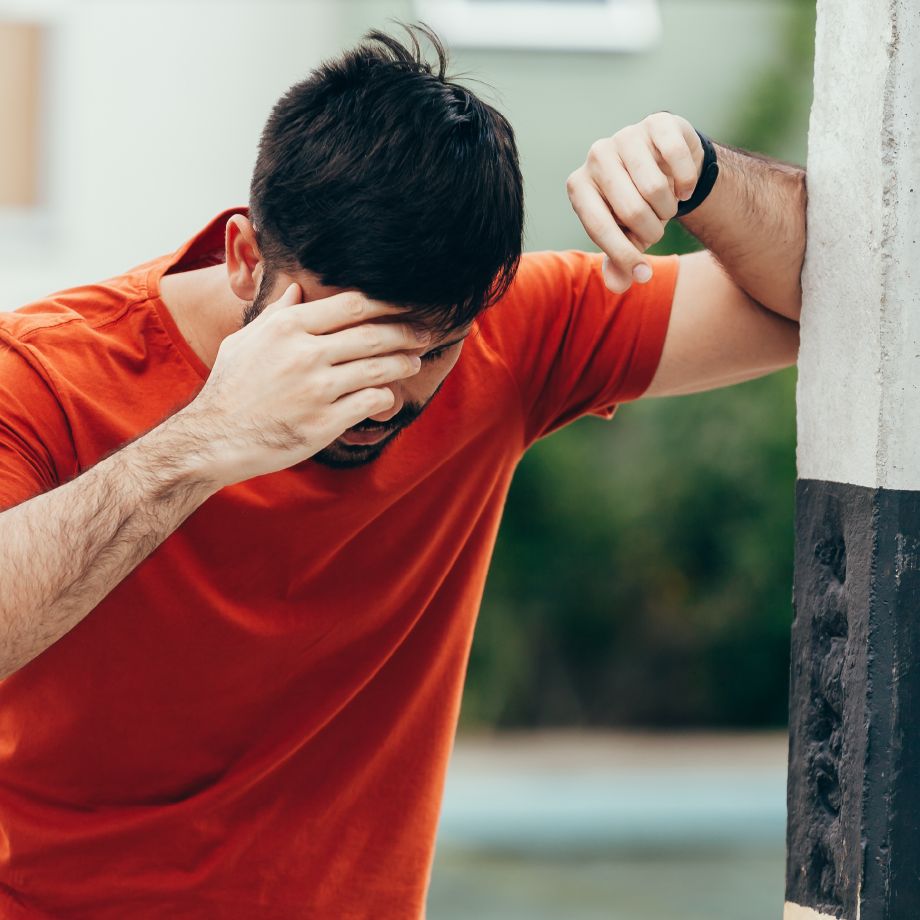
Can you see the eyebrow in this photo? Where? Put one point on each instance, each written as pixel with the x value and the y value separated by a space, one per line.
pixel 444 345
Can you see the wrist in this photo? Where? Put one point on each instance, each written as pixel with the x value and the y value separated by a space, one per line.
pixel 179 455
pixel 709 172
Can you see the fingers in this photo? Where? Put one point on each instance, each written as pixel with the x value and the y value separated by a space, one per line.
pixel 292 295
pixel 340 311
pixel 371 339
pixel 372 372
pixel 679 149
pixel 595 213
pixel 355 407
pixel 630 187
pixel 629 208
pixel 640 159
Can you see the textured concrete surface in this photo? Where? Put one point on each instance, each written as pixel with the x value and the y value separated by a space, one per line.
pixel 859 384
pixel 835 546
pixel 853 798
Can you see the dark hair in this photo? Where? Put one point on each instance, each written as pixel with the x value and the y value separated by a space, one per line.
pixel 378 172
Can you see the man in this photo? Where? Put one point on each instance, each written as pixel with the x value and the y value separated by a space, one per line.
pixel 241 559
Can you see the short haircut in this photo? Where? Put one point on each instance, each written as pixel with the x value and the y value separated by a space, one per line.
pixel 380 173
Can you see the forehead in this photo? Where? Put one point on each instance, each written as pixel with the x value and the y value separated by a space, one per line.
pixel 312 289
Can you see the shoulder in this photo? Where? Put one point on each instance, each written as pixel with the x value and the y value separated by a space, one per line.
pixel 552 284
pixel 572 271
pixel 92 305
pixel 78 321
pixel 541 272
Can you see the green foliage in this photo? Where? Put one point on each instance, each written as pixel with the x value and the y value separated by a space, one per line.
pixel 643 575
pixel 644 570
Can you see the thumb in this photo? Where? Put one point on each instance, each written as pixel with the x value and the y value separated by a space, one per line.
pixel 292 295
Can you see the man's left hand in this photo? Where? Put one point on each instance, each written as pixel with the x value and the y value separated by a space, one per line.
pixel 629 188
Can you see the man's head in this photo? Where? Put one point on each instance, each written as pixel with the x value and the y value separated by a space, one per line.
pixel 380 174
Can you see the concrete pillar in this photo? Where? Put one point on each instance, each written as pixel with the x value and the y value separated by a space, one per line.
pixel 854 762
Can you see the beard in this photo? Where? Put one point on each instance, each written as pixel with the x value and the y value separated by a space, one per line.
pixel 339 455
pixel 252 310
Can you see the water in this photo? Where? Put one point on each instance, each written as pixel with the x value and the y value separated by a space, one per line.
pixel 620 827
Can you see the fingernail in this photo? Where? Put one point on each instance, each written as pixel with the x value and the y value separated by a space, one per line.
pixel 642 273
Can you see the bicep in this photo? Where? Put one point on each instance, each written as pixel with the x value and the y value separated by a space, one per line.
pixel 717 335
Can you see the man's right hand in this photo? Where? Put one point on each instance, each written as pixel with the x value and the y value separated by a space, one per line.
pixel 282 388
pixel 293 380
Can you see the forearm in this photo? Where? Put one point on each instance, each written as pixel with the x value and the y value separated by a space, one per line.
pixel 754 222
pixel 62 552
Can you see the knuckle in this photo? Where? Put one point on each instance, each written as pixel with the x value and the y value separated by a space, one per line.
pixel 632 214
pixel 323 386
pixel 372 340
pixel 631 132
pixel 409 334
pixel 355 305
pixel 596 153
pixel 376 370
pixel 312 356
pixel 672 149
pixel 653 187
pixel 378 398
pixel 321 420
pixel 571 184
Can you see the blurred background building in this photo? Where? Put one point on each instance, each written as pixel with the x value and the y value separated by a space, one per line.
pixel 643 576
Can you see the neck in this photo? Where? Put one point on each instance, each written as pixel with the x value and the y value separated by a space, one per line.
pixel 203 307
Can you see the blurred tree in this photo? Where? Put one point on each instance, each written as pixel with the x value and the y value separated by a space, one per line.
pixel 643 574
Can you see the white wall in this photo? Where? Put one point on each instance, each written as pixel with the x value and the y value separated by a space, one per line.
pixel 156 107
pixel 154 112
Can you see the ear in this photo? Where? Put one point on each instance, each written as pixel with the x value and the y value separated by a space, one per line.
pixel 244 260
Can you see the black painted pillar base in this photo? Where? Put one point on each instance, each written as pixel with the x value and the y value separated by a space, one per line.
pixel 853 839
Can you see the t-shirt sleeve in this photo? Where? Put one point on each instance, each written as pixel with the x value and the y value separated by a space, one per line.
pixel 574 347
pixel 36 449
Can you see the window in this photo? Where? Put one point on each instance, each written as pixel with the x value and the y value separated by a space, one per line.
pixel 572 25
pixel 20 64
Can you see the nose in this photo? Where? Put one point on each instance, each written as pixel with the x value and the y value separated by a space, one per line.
pixel 398 403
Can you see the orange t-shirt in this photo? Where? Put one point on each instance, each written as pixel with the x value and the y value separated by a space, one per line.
pixel 257 721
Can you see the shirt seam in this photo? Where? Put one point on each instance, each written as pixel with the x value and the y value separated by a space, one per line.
pixel 29 334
